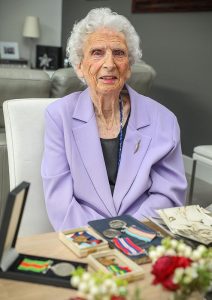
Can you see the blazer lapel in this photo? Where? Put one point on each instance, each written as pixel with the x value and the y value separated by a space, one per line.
pixel 87 139
pixel 134 148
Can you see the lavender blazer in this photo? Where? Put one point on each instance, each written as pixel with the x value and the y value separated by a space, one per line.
pixel 74 175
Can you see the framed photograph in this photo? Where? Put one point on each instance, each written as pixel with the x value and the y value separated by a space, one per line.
pixel 48 57
pixel 9 50
pixel 157 6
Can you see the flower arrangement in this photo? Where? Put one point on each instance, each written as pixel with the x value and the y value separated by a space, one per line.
pixel 98 285
pixel 179 268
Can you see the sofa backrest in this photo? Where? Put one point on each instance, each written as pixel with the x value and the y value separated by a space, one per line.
pixel 27 83
pixel 22 83
pixel 142 77
pixel 65 81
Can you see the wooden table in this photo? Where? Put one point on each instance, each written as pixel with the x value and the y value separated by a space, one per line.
pixel 48 245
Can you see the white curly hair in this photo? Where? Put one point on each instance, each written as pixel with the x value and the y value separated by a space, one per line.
pixel 98 18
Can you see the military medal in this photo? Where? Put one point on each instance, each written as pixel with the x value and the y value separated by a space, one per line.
pixel 106 261
pixel 116 224
pixel 80 239
pixel 83 239
pixel 62 269
pixel 113 266
pixel 111 233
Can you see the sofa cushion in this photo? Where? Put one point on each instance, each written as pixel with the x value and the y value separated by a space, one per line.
pixel 22 83
pixel 142 77
pixel 65 81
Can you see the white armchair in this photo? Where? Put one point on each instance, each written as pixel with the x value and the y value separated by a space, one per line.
pixel 24 126
pixel 202 154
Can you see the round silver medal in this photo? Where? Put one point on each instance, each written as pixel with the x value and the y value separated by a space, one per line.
pixel 63 269
pixel 116 224
pixel 111 233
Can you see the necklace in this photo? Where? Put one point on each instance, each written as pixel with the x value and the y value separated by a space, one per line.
pixel 121 129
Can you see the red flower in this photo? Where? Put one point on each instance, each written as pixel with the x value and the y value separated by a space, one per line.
pixel 164 268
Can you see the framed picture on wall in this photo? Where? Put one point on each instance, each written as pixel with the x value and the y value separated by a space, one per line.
pixel 48 57
pixel 150 6
pixel 9 50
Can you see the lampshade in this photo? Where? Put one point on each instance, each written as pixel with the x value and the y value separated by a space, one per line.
pixel 31 27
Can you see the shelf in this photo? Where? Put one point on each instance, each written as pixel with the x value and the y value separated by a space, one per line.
pixel 14 63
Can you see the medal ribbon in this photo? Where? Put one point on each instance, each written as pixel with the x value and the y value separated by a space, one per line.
pixel 140 234
pixel 33 265
pixel 119 270
pixel 127 246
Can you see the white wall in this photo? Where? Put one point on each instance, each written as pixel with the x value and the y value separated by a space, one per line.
pixel 13 13
pixel 179 47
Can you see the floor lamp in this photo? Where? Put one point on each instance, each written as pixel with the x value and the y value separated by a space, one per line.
pixel 31 31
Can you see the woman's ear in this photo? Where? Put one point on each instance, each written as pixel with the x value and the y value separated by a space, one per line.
pixel 79 71
pixel 129 72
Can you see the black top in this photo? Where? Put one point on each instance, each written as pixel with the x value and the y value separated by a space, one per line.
pixel 110 148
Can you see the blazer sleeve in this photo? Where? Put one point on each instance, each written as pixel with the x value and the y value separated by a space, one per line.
pixel 169 184
pixel 63 209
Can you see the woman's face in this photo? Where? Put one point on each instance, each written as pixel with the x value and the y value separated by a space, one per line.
pixel 105 64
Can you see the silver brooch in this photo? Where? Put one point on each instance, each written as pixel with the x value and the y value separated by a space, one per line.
pixel 137 146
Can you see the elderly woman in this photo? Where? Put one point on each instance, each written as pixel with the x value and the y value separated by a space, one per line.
pixel 108 151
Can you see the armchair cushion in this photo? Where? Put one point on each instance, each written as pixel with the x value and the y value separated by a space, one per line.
pixel 24 125
pixel 4 173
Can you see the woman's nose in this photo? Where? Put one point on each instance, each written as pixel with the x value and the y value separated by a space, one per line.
pixel 109 61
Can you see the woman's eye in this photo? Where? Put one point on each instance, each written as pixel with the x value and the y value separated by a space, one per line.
pixel 119 52
pixel 97 52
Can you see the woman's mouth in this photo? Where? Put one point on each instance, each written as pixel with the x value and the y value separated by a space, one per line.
pixel 108 79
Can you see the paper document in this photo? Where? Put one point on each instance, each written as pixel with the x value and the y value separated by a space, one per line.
pixel 193 222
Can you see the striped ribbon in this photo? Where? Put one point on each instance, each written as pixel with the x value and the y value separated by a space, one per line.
pixel 127 246
pixel 140 234
pixel 119 270
pixel 34 265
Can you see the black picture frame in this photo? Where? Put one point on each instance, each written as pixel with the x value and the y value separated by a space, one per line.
pixel 12 217
pixel 48 57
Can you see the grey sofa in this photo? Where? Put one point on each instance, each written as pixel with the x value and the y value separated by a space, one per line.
pixel 27 83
